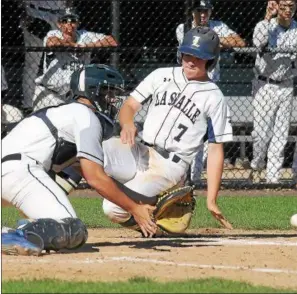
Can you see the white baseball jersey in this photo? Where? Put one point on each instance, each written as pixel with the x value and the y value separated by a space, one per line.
pixel 221 29
pixel 277 66
pixel 57 73
pixel 182 111
pixel 76 123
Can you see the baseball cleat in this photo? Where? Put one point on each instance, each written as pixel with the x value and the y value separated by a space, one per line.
pixel 15 243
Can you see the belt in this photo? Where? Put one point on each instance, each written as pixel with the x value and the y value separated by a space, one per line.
pixel 164 153
pixel 268 80
pixel 57 11
pixel 14 156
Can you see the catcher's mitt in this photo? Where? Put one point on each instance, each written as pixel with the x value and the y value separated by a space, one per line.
pixel 175 209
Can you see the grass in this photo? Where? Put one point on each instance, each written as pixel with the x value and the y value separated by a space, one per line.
pixel 257 213
pixel 137 285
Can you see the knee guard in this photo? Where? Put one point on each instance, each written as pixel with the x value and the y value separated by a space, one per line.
pixel 68 233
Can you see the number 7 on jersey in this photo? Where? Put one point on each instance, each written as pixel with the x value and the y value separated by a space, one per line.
pixel 183 129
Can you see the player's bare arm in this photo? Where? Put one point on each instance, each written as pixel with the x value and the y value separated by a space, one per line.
pixel 105 186
pixel 107 41
pixel 215 164
pixel 55 41
pixel 271 10
pixel 231 41
pixel 126 117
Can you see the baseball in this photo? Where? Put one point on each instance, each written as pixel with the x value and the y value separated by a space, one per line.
pixel 294 220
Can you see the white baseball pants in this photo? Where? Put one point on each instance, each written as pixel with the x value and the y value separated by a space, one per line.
pixel 272 112
pixel 142 169
pixel 27 186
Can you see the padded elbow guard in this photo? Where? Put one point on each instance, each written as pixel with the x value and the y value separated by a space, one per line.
pixel 68 233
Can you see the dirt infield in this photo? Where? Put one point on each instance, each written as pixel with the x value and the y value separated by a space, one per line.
pixel 262 258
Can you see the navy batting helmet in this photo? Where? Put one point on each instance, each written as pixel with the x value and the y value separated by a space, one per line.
pixel 201 5
pixel 203 43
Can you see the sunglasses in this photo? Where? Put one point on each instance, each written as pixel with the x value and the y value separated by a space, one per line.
pixel 68 20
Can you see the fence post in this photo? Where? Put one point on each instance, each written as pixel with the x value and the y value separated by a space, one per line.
pixel 115 19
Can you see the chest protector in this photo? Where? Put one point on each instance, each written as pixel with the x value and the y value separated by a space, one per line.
pixel 64 150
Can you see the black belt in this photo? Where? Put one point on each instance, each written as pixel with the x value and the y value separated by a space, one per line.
pixel 14 156
pixel 45 9
pixel 268 80
pixel 164 153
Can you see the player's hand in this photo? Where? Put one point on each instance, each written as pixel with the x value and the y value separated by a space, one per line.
pixel 271 10
pixel 216 213
pixel 143 216
pixel 128 134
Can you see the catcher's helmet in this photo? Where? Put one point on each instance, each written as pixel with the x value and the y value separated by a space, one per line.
pixel 201 5
pixel 203 43
pixel 103 86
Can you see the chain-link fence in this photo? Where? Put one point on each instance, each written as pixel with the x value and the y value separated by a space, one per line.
pixel 256 68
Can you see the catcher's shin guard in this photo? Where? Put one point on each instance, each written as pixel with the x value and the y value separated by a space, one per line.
pixel 68 233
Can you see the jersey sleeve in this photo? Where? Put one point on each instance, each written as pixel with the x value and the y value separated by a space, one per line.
pixel 225 31
pixel 219 127
pixel 146 88
pixel 180 33
pixel 88 37
pixel 260 35
pixel 52 33
pixel 88 136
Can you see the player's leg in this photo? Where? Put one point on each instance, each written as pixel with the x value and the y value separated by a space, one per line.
pixel 275 155
pixel 120 160
pixel 294 165
pixel 30 189
pixel 264 111
pixel 160 175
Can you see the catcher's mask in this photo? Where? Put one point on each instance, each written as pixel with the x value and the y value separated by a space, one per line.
pixel 103 86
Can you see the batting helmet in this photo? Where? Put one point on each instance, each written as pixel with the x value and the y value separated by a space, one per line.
pixel 201 5
pixel 203 43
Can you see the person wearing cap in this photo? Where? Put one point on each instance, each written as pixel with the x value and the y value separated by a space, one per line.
pixel 38 18
pixel 201 13
pixel 52 87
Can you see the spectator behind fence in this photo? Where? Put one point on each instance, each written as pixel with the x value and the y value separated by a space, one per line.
pixel 9 113
pixel 273 87
pixel 201 12
pixel 54 84
pixel 294 165
pixel 41 16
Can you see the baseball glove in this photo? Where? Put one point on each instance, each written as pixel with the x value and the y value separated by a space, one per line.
pixel 175 209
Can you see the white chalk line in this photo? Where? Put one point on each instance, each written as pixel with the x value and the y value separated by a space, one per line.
pixel 242 242
pixel 153 261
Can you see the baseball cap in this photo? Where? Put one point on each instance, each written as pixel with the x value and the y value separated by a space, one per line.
pixel 202 5
pixel 69 16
